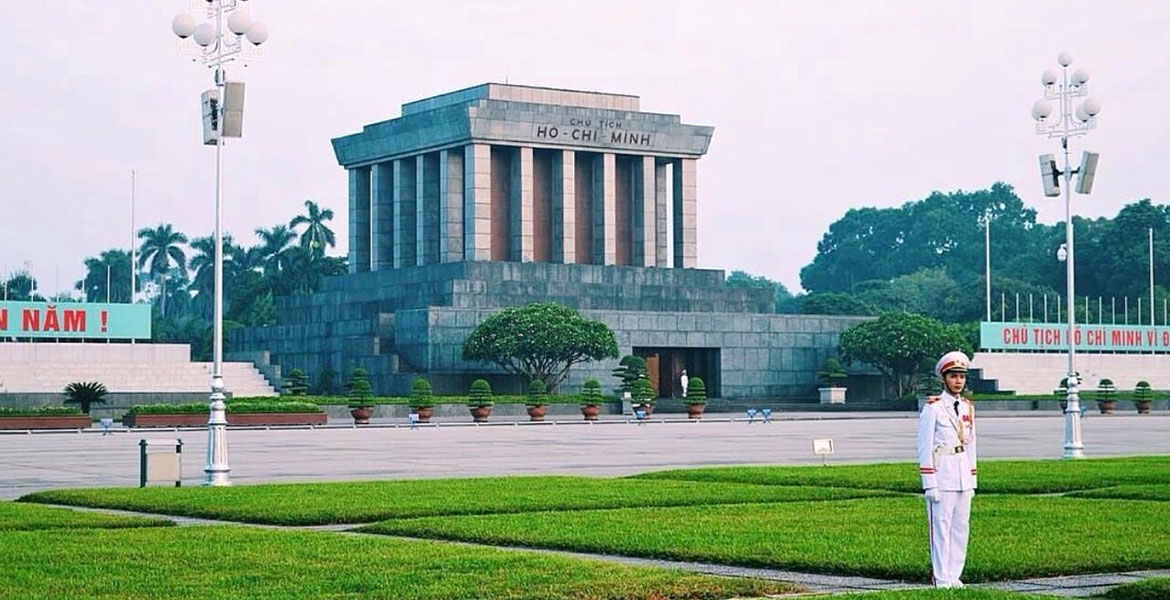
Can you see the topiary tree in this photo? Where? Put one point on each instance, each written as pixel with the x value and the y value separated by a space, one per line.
pixel 642 392
pixel 325 381
pixel 696 391
pixel 537 393
pixel 480 393
pixel 85 394
pixel 296 384
pixel 421 393
pixel 832 374
pixel 542 340
pixel 591 392
pixel 900 345
pixel 360 392
pixel 629 370
pixel 1106 391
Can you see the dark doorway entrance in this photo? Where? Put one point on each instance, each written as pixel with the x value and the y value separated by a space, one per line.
pixel 664 368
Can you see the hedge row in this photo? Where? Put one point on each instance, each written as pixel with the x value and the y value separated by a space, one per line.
pixel 434 400
pixel 237 406
pixel 40 411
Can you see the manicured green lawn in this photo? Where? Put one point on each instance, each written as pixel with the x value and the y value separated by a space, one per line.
pixel 366 502
pixel 221 562
pixel 1013 537
pixel 24 517
pixel 995 476
pixel 933 594
pixel 1160 493
pixel 1157 588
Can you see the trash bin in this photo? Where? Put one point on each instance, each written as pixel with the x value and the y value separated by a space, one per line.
pixel 160 461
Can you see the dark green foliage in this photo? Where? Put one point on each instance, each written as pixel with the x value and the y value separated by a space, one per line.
pixel 642 392
pixel 1106 391
pixel 480 393
pixel 832 373
pixel 782 297
pixel 696 391
pixel 360 391
pixel 629 370
pixel 39 411
pixel 1156 588
pixel 900 345
pixel 421 394
pixel 833 303
pixel 325 381
pixel 1142 392
pixel 257 405
pixel 537 393
pixel 591 392
pixel 85 394
pixel 541 340
pixel 296 384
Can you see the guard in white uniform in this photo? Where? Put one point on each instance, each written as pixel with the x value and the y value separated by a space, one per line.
pixel 946 461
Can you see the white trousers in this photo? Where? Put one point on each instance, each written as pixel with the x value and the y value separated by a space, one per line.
pixel 950 521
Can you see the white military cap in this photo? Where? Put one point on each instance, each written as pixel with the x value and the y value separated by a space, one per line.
pixel 951 361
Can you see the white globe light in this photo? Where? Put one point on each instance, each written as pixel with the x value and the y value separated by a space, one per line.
pixel 183 25
pixel 204 34
pixel 1061 253
pixel 1081 115
pixel 1080 76
pixel 1092 106
pixel 1041 109
pixel 1048 77
pixel 1065 59
pixel 258 32
pixel 239 22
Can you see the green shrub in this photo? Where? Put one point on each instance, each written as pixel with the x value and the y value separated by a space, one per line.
pixel 642 392
pixel 537 393
pixel 480 394
pixel 421 394
pixel 1106 391
pixel 325 381
pixel 629 371
pixel 85 394
pixel 1142 392
pixel 591 392
pixel 360 391
pixel 696 391
pixel 194 408
pixel 296 384
pixel 832 374
pixel 40 411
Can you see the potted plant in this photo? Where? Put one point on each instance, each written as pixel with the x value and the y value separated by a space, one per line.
pixel 422 399
pixel 479 400
pixel 642 395
pixel 591 399
pixel 360 396
pixel 85 394
pixel 537 400
pixel 696 399
pixel 1143 397
pixel 629 371
pixel 832 376
pixel 1106 393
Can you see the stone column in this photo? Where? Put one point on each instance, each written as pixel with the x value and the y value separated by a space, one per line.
pixel 662 184
pixel 477 202
pixel 645 226
pixel 564 206
pixel 382 216
pixel 451 205
pixel 685 244
pixel 359 220
pixel 405 212
pixel 520 205
pixel 427 209
pixel 605 210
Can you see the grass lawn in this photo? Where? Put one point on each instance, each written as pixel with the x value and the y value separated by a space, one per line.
pixel 1157 588
pixel 24 517
pixel 221 562
pixel 1013 537
pixel 1160 493
pixel 933 594
pixel 995 476
pixel 367 502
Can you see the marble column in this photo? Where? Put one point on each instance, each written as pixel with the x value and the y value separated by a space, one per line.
pixel 477 202
pixel 427 209
pixel 451 205
pixel 685 243
pixel 405 212
pixel 382 216
pixel 663 176
pixel 605 210
pixel 359 218
pixel 564 206
pixel 644 224
pixel 520 205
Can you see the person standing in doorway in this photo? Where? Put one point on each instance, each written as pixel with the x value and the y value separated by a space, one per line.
pixel 683 380
pixel 947 463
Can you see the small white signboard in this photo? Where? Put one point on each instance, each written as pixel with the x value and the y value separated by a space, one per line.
pixel 822 446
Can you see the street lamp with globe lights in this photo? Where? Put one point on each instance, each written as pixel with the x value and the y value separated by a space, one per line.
pixel 207 42
pixel 1070 121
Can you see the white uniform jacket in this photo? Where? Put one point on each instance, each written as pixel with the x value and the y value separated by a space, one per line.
pixel 947 460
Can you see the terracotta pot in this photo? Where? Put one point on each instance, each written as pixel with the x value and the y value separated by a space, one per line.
pixel 695 411
pixel 1143 406
pixel 480 414
pixel 361 415
pixel 424 413
pixel 1107 407
pixel 590 411
pixel 537 412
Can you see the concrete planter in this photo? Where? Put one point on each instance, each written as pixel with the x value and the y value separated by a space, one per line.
pixel 832 395
pixel 480 414
pixel 200 419
pixel 46 422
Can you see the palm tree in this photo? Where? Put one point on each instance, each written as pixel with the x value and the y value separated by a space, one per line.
pixel 274 243
pixel 114 264
pixel 317 234
pixel 160 246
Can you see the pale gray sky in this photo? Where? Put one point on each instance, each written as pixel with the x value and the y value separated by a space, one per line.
pixel 818 107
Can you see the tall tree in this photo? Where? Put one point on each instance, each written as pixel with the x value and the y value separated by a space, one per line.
pixel 162 250
pixel 274 244
pixel 743 279
pixel 112 266
pixel 20 286
pixel 317 235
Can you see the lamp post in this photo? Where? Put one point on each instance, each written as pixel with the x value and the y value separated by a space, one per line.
pixel 208 43
pixel 1068 122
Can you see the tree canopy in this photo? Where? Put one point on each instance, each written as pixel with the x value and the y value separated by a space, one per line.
pixel 901 346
